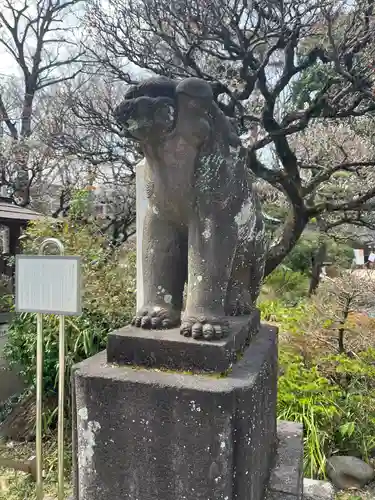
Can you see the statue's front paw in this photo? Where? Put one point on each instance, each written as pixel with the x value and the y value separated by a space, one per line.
pixel 156 317
pixel 205 327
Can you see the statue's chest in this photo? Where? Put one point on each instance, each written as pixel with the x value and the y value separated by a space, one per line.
pixel 171 173
pixel 170 196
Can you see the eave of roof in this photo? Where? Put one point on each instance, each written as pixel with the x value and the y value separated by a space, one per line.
pixel 14 212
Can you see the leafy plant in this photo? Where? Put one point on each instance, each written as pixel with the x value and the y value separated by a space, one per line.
pixel 287 319
pixel 355 376
pixel 108 301
pixel 335 402
pixel 332 395
pixel 288 285
pixel 300 257
pixel 307 397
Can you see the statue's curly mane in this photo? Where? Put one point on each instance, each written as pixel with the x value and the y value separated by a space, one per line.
pixel 154 87
pixel 164 88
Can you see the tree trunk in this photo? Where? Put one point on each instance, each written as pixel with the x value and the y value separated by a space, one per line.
pixel 22 190
pixel 341 341
pixel 317 264
pixel 341 330
pixel 292 231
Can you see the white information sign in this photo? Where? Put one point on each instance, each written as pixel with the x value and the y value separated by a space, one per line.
pixel 359 257
pixel 48 284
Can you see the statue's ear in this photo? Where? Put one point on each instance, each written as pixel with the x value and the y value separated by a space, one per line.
pixel 196 89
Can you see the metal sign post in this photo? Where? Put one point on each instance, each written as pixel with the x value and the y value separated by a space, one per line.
pixel 49 284
pixel 39 396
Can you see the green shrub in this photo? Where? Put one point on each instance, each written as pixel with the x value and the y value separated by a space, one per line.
pixel 300 257
pixel 333 396
pixel 355 377
pixel 287 318
pixel 86 335
pixel 335 402
pixel 287 285
pixel 108 300
pixel 307 397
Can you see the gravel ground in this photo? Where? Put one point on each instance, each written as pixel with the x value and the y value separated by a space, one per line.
pixel 367 493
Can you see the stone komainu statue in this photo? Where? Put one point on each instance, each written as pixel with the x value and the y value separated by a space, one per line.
pixel 203 222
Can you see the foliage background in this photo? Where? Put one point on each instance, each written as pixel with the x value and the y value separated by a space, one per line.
pixel 108 287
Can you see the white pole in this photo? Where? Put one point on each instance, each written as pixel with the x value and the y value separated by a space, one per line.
pixel 60 430
pixel 39 396
pixel 60 434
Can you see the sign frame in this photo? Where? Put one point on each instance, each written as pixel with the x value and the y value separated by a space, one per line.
pixel 78 309
pixel 39 364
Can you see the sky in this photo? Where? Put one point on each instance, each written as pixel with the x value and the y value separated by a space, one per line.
pixel 6 64
pixel 9 69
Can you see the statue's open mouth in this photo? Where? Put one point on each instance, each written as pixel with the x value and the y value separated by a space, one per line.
pixel 144 114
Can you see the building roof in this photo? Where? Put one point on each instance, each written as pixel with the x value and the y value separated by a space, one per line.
pixel 9 211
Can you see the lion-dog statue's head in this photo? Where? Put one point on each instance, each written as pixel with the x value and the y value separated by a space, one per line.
pixel 159 107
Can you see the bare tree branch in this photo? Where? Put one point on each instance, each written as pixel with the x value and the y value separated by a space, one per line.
pixel 25 30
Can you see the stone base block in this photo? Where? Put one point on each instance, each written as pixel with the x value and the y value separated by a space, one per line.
pixel 146 434
pixel 286 480
pixel 169 349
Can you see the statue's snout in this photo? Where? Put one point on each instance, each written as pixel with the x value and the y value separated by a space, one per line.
pixel 123 112
pixel 139 115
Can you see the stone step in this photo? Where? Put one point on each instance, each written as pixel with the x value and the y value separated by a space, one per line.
pixel 286 479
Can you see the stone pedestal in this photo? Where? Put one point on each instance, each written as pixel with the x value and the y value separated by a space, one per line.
pixel 168 349
pixel 144 431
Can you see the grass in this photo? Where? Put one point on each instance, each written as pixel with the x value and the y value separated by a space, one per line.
pixel 15 485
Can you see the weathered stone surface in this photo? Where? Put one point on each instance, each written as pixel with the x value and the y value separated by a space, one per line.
pixel 152 435
pixel 168 349
pixel 141 209
pixel 286 476
pixel 349 472
pixel 317 490
pixel 203 223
